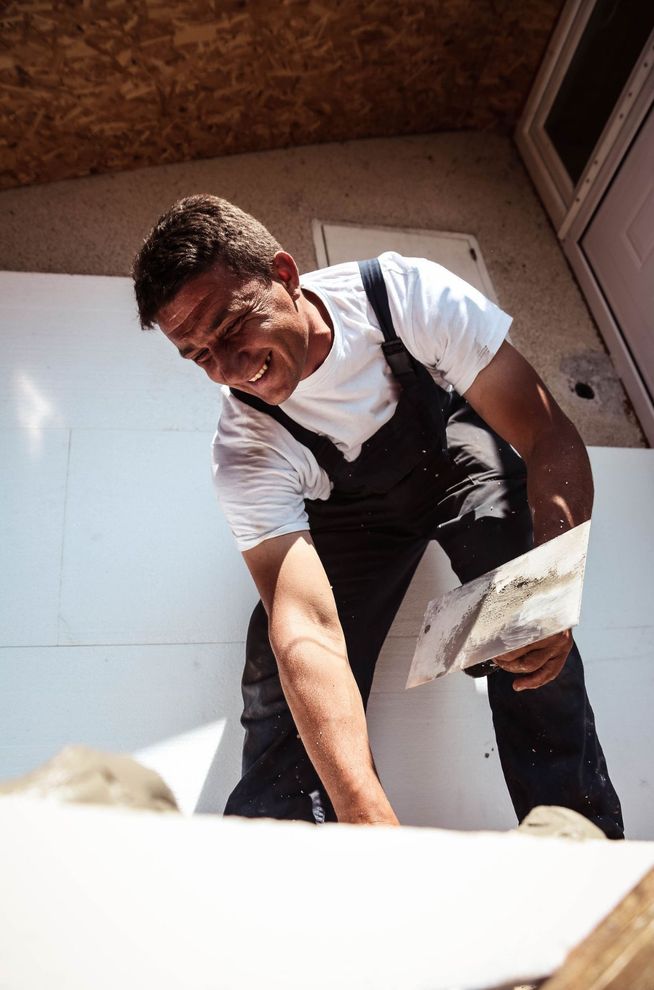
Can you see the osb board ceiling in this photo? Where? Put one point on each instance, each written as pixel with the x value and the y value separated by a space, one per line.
pixel 92 86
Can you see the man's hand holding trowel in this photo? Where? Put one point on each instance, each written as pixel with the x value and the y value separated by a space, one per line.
pixel 528 604
pixel 539 663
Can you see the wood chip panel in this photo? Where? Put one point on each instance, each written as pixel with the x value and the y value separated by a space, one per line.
pixel 92 86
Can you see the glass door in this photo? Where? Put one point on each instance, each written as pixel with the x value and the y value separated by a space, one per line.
pixel 597 62
pixel 605 55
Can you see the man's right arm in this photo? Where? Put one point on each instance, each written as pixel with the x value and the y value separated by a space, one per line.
pixel 308 642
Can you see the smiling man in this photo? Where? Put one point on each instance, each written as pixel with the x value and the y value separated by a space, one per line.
pixel 367 410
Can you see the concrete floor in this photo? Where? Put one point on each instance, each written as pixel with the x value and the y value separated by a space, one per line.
pixel 469 182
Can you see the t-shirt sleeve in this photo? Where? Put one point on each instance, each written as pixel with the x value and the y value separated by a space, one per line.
pixel 261 475
pixel 449 325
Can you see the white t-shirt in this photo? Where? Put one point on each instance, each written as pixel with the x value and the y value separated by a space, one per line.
pixel 263 474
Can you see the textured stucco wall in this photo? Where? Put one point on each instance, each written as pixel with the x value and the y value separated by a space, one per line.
pixel 468 182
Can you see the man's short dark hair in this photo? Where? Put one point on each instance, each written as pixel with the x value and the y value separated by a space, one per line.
pixel 189 239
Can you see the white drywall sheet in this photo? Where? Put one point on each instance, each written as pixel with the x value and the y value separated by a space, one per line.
pixel 124 602
pixel 105 898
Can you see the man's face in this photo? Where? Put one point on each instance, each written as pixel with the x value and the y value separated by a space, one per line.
pixel 242 332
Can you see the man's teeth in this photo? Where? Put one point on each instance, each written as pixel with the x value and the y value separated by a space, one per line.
pixel 261 372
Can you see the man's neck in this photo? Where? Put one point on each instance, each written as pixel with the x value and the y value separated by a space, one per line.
pixel 321 331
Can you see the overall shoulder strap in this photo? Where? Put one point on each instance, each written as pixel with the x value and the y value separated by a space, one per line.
pixel 373 283
pixel 411 374
pixel 326 453
pixel 398 358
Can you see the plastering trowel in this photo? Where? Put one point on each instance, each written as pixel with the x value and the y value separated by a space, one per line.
pixel 523 601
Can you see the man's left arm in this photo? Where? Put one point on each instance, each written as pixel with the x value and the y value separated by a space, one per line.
pixel 512 399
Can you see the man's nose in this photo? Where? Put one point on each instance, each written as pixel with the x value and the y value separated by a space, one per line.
pixel 228 364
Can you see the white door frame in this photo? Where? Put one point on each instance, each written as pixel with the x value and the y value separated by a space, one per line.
pixel 571 208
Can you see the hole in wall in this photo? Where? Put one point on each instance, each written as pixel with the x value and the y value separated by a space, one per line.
pixel 584 390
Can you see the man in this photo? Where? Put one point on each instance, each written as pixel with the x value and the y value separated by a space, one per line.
pixel 338 456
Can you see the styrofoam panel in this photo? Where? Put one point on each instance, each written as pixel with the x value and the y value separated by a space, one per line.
pixel 621 692
pixel 201 766
pixel 77 293
pixel 616 632
pixel 76 357
pixel 599 643
pixel 433 577
pixel 434 748
pixel 177 708
pixel 32 502
pixel 148 556
pixel 619 581
pixel 107 897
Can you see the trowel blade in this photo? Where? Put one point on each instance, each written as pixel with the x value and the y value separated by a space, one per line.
pixel 520 602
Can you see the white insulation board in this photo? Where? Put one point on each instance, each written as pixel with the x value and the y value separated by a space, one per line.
pixel 106 898
pixel 124 602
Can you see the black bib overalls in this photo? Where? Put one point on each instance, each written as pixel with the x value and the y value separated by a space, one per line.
pixel 434 471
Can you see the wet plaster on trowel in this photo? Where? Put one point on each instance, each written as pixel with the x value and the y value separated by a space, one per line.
pixel 519 603
pixel 510 606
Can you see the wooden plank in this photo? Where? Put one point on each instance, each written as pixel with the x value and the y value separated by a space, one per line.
pixel 619 953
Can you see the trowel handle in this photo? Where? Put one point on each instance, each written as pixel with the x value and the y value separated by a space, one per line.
pixel 482 669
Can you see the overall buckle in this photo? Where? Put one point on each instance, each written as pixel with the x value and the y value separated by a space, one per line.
pixel 398 358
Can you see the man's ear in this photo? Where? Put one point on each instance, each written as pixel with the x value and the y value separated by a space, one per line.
pixel 287 273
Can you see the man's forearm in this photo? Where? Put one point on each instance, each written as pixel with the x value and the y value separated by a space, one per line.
pixel 326 704
pixel 559 482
